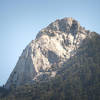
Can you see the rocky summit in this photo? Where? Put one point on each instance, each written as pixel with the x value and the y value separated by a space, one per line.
pixel 42 57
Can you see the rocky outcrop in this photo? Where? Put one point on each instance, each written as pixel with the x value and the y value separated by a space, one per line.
pixel 54 44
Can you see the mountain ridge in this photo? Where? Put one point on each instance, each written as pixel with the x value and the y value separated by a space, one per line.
pixel 53 45
pixel 62 63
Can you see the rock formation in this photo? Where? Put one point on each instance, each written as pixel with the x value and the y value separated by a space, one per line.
pixel 53 45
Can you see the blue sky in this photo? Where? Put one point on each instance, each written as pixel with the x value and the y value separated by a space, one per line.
pixel 20 21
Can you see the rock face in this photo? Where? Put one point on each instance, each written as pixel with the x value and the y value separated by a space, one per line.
pixel 54 44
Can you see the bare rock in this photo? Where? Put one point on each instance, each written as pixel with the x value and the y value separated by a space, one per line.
pixel 54 44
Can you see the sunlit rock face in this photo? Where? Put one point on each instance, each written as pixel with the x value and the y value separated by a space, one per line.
pixel 54 44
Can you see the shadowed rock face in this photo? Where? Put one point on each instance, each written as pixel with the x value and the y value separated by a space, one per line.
pixel 42 57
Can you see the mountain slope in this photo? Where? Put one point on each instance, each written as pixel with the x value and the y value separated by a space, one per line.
pixel 41 59
pixel 77 79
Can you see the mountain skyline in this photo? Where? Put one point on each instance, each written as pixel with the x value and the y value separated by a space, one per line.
pixel 62 63
pixel 21 21
pixel 44 56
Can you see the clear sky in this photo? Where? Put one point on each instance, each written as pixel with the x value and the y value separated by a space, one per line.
pixel 20 21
